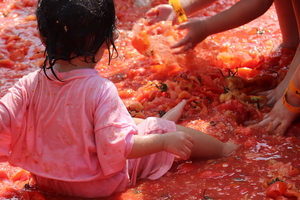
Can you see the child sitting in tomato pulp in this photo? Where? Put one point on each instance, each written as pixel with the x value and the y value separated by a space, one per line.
pixel 67 125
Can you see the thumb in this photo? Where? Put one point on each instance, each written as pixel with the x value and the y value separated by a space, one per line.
pixel 182 42
pixel 184 25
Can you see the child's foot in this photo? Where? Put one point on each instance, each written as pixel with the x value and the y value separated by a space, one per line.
pixel 175 113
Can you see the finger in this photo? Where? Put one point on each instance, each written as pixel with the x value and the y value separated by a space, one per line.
pixel 184 156
pixel 190 144
pixel 184 25
pixel 269 94
pixel 249 123
pixel 269 128
pixel 273 126
pixel 271 100
pixel 178 51
pixel 265 93
pixel 186 152
pixel 281 129
pixel 190 139
pixel 186 48
pixel 152 12
pixel 263 122
pixel 175 21
pixel 154 20
pixel 182 42
pixel 266 116
pixel 285 124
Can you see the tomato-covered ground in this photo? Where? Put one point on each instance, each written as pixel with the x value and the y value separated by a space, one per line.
pixel 219 79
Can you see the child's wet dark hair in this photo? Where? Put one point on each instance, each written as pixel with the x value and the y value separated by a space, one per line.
pixel 75 28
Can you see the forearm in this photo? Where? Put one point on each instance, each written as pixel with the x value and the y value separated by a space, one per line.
pixel 146 144
pixel 239 14
pixel 192 6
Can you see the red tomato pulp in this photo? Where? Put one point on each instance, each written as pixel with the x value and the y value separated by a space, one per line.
pixel 219 79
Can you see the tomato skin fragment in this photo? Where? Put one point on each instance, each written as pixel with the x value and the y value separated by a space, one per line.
pixel 6 63
pixel 293 172
pixel 186 167
pixel 292 193
pixel 211 174
pixel 141 42
pixel 277 189
pixel 22 175
pixel 33 195
pixel 3 175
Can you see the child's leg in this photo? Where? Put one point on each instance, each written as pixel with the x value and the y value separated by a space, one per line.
pixel 175 113
pixel 206 145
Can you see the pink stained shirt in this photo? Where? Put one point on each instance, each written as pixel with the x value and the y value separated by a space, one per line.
pixel 77 130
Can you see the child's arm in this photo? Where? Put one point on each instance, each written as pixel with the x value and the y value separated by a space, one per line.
pixel 165 11
pixel 193 6
pixel 155 141
pixel 240 13
pixel 178 143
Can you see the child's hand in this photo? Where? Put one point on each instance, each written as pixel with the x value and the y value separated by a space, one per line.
pixel 178 143
pixel 197 32
pixel 278 119
pixel 162 12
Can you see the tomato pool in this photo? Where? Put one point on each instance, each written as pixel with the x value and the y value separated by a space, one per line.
pixel 219 79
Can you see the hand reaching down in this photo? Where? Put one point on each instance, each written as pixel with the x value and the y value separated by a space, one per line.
pixel 197 32
pixel 279 119
pixel 162 12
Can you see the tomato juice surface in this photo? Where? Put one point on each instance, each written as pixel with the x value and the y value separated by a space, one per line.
pixel 220 80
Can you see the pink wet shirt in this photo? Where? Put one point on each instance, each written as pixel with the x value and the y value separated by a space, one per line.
pixel 76 131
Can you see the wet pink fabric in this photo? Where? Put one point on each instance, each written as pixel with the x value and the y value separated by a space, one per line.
pixel 75 135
